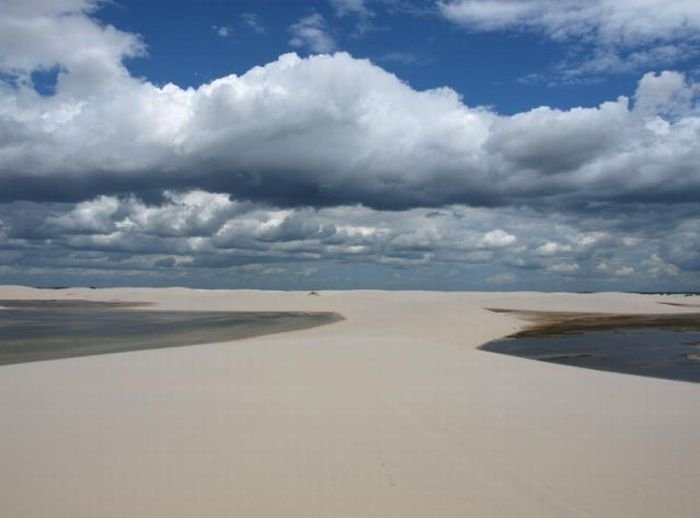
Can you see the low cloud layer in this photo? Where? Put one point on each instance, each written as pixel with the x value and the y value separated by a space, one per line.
pixel 328 162
pixel 196 231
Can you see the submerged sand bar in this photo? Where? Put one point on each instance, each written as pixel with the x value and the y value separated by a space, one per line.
pixel 392 412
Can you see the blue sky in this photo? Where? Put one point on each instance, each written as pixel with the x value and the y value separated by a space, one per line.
pixel 192 42
pixel 402 144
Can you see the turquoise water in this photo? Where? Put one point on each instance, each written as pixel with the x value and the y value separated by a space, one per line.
pixel 47 330
pixel 659 353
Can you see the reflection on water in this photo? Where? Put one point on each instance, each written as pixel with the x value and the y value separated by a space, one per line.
pixel 659 353
pixel 42 330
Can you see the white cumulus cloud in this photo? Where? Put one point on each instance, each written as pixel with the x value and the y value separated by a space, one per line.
pixel 327 129
pixel 498 238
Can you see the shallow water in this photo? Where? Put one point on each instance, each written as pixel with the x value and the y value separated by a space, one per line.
pixel 659 353
pixel 37 330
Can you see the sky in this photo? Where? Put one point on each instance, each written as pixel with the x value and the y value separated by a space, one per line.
pixel 351 144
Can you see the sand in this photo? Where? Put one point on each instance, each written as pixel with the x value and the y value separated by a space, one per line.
pixel 393 412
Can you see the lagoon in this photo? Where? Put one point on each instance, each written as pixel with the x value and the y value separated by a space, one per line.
pixel 37 330
pixel 655 352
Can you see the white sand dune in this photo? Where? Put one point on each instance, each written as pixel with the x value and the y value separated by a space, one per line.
pixel 392 412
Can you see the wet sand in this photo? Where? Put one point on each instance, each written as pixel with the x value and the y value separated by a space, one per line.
pixel 392 412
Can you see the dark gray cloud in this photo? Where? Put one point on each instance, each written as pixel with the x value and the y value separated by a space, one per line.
pixel 197 231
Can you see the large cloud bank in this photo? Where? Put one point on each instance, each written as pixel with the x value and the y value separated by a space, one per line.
pixel 327 129
pixel 298 161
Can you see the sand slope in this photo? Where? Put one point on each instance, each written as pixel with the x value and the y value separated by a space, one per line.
pixel 390 413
